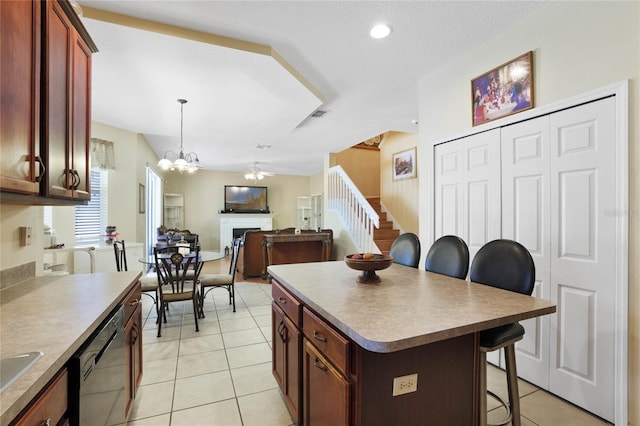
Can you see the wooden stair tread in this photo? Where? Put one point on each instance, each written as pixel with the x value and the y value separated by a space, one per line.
pixel 385 235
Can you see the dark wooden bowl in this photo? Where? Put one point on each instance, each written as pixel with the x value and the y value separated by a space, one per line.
pixel 368 266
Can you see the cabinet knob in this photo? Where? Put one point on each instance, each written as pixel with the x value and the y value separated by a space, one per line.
pixel 282 300
pixel 46 422
pixel 134 302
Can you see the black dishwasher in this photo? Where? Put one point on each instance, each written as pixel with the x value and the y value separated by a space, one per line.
pixel 97 376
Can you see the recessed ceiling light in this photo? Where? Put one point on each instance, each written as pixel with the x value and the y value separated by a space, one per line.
pixel 380 31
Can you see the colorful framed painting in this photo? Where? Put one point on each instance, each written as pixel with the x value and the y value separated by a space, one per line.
pixel 404 164
pixel 505 90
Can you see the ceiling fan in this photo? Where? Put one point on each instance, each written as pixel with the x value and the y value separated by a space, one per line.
pixel 255 174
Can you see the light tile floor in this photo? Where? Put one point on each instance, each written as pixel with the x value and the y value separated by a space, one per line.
pixel 222 374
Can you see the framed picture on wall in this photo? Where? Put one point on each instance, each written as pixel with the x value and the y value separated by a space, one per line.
pixel 404 164
pixel 142 199
pixel 505 90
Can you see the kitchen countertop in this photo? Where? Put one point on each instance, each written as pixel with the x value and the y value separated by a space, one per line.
pixel 54 315
pixel 408 308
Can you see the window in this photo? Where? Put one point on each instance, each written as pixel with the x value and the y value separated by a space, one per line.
pixel 91 219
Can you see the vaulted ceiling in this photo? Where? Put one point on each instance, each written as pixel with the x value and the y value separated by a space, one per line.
pixel 254 71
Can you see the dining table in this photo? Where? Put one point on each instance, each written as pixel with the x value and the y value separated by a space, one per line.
pixel 205 256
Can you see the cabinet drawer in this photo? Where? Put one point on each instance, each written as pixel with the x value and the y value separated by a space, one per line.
pixel 50 406
pixel 131 301
pixel 291 307
pixel 326 339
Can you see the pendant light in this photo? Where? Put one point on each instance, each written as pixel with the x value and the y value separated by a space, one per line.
pixel 180 161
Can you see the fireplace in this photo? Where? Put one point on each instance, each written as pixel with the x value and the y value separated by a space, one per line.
pixel 239 232
pixel 234 224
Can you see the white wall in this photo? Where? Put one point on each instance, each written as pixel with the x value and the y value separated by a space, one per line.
pixel 400 197
pixel 11 218
pixel 578 47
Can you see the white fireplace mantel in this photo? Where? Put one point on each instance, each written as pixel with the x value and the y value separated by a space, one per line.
pixel 229 221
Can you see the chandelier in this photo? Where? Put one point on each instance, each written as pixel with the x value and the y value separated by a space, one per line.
pixel 180 161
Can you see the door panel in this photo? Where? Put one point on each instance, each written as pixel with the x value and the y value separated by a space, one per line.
pixel 525 218
pixel 481 186
pixel 448 189
pixel 57 128
pixel 81 119
pixel 583 256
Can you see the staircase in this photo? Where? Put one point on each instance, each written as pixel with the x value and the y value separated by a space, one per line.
pixel 385 235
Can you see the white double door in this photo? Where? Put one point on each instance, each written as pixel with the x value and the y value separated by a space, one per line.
pixel 548 183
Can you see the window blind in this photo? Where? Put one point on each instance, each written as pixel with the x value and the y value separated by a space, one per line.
pixel 91 219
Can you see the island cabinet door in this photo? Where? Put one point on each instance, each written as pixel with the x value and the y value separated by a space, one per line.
pixel 287 343
pixel 326 392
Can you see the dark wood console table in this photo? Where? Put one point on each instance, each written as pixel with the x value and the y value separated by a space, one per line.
pixel 284 248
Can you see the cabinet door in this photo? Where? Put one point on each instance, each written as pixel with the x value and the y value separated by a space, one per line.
pixel 67 106
pixel 286 344
pixel 81 120
pixel 326 392
pixel 133 353
pixel 20 88
pixel 278 353
pixel 57 93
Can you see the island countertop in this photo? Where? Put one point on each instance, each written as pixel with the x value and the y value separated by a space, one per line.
pixel 408 308
pixel 53 315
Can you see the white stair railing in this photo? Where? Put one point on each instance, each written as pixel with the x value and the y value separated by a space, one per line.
pixel 359 218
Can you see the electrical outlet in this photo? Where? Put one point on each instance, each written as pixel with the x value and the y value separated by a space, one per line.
pixel 405 384
pixel 25 236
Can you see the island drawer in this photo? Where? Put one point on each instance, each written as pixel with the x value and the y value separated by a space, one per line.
pixel 326 339
pixel 291 307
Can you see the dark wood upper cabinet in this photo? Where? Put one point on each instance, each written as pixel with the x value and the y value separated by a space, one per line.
pixel 45 151
pixel 20 49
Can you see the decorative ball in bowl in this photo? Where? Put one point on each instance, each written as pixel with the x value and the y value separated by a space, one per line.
pixel 368 263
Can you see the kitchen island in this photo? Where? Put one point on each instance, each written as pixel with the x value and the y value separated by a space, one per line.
pixel 54 315
pixel 402 351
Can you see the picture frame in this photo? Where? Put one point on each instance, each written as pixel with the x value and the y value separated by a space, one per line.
pixel 142 199
pixel 505 90
pixel 404 164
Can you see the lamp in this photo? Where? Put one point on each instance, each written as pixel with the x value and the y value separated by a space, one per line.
pixel 254 176
pixel 180 161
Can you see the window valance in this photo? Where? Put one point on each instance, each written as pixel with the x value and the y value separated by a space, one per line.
pixel 102 154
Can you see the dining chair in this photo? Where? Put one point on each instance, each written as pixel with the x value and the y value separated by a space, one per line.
pixel 173 284
pixel 148 284
pixel 208 282
pixel 508 265
pixel 406 250
pixel 448 255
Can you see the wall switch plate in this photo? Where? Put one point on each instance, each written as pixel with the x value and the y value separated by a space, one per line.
pixel 405 384
pixel 25 236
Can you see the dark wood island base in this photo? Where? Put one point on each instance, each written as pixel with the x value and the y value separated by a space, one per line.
pixel 340 347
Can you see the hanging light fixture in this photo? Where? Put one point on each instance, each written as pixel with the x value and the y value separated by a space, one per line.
pixel 180 161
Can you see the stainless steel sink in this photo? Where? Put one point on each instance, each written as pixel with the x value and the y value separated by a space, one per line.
pixel 14 366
